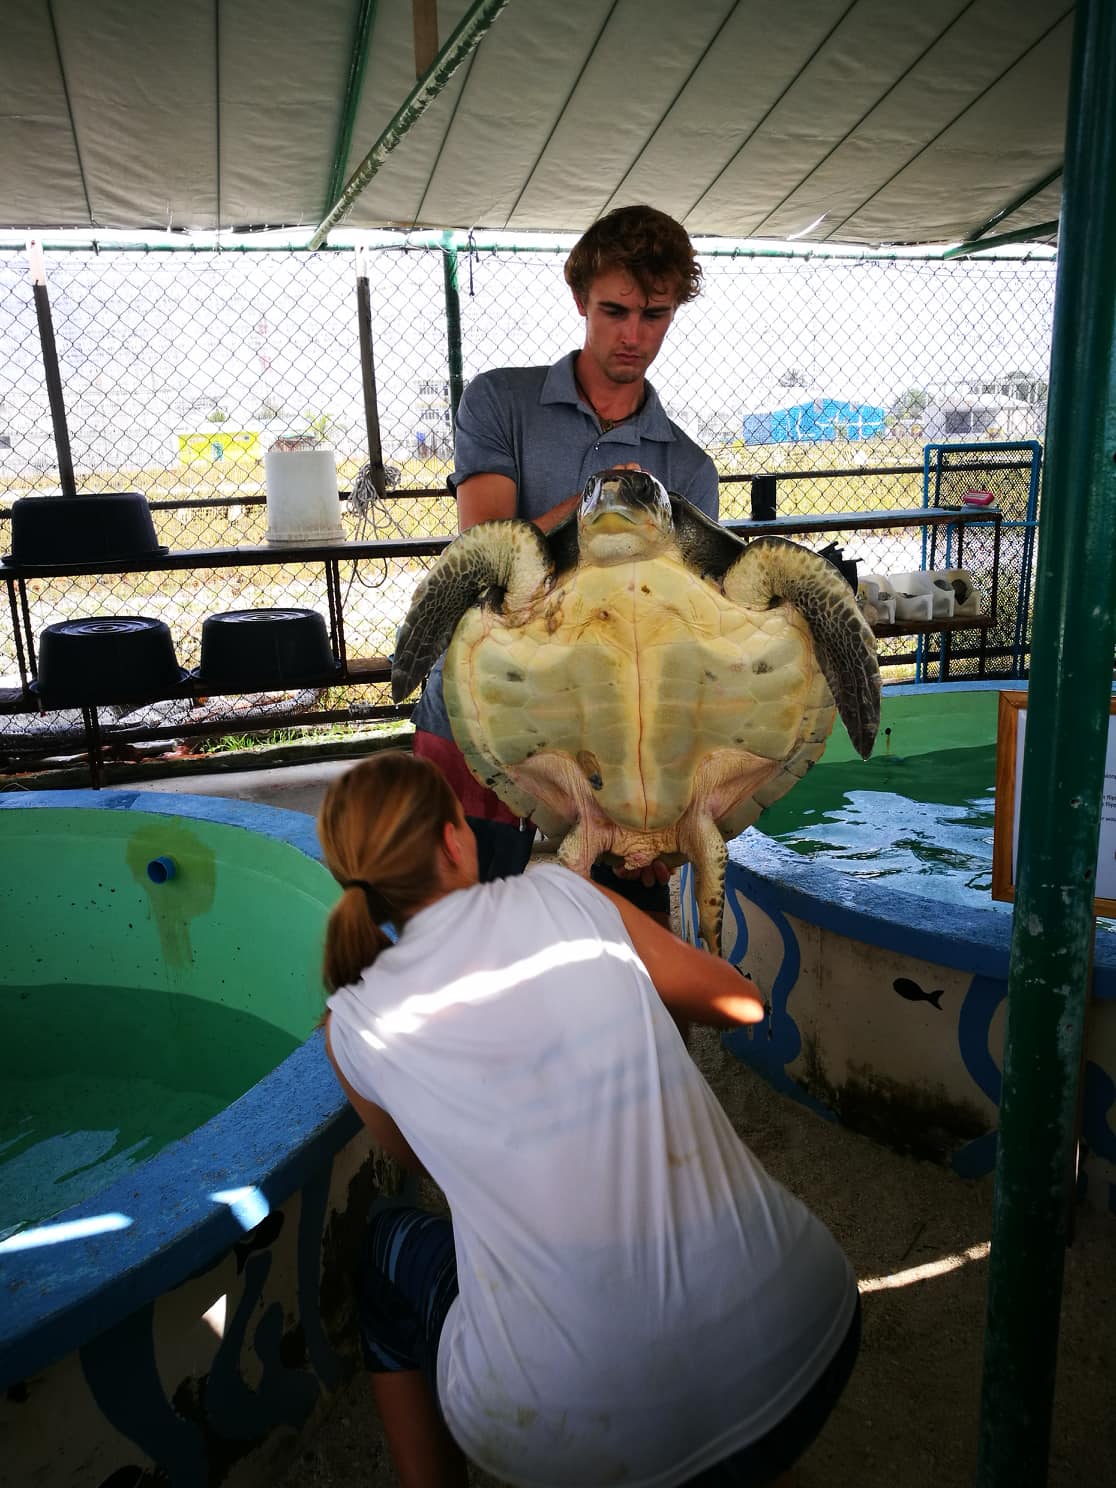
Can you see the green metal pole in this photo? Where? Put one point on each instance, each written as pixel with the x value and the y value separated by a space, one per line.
pixel 453 324
pixel 1020 235
pixel 467 36
pixel 1013 206
pixel 1063 772
pixel 358 62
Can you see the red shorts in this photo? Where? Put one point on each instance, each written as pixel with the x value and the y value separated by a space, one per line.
pixel 476 799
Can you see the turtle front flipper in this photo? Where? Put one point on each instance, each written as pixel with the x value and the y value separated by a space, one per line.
pixel 704 544
pixel 505 564
pixel 772 571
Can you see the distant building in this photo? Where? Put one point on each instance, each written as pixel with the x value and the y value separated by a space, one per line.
pixel 799 418
pixel 964 415
pixel 434 413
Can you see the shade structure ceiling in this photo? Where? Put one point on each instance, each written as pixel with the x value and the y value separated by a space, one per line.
pixel 859 121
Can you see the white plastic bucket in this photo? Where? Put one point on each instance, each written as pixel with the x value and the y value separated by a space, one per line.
pixel 303 502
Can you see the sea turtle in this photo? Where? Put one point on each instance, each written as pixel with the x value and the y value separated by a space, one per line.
pixel 640 681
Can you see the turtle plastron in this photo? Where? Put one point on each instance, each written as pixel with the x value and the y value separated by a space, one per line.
pixel 644 684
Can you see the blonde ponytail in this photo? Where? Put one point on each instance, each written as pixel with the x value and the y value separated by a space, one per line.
pixel 380 827
pixel 353 940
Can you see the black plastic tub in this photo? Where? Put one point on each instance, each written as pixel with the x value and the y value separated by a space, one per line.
pixel 272 650
pixel 109 527
pixel 108 659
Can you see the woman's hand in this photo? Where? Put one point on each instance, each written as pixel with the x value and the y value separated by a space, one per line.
pixel 654 873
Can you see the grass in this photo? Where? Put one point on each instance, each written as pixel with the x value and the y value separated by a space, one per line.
pixel 264 741
pixel 273 738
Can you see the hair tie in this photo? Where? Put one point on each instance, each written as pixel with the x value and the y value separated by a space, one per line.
pixel 379 906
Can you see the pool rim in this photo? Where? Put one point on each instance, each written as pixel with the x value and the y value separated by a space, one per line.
pixel 869 910
pixel 270 1140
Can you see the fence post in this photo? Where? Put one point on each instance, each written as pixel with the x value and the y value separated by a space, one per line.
pixel 1063 772
pixel 50 368
pixel 763 488
pixel 368 374
pixel 453 326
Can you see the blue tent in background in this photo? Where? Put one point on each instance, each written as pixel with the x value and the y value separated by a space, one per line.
pixel 813 420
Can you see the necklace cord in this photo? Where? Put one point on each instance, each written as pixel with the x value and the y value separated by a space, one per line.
pixel 605 423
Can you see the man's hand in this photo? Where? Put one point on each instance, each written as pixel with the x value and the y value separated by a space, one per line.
pixel 550 519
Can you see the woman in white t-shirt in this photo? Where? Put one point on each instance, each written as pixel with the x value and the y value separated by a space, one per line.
pixel 622 1294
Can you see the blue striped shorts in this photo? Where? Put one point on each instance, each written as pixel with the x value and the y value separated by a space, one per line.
pixel 406 1283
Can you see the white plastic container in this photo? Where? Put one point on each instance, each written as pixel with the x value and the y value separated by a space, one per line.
pixel 966 598
pixel 913 606
pixel 303 500
pixel 873 590
pixel 916 597
pixel 917 582
pixel 945 601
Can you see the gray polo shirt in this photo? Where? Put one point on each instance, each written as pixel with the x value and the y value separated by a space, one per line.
pixel 531 425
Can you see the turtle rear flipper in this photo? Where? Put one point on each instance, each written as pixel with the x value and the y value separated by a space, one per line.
pixel 706 850
pixel 772 571
pixel 503 563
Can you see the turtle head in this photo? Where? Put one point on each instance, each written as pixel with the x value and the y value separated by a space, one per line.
pixel 624 514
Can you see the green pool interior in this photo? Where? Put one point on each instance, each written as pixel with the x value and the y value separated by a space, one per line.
pixel 131 1012
pixel 95 1079
pixel 918 812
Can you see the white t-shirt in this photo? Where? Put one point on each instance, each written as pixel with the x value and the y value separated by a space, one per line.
pixel 638 1298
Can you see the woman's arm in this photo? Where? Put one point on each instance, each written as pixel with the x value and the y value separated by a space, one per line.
pixel 692 983
pixel 384 1130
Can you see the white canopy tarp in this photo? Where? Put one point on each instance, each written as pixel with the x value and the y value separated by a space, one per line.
pixel 861 122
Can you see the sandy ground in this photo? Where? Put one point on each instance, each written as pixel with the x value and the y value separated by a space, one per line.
pixel 909 1416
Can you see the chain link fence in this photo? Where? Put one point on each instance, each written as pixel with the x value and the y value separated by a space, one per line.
pixel 815 382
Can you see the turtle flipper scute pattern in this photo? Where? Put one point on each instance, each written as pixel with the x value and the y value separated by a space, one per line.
pixel 503 564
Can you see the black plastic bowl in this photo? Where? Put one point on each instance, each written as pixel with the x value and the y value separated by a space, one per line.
pixel 111 659
pixel 265 650
pixel 58 530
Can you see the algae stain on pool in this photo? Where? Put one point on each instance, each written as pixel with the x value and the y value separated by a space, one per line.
pixel 94 1079
pixel 175 904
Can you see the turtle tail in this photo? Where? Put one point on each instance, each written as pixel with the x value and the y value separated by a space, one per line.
pixel 503 564
pixel 773 571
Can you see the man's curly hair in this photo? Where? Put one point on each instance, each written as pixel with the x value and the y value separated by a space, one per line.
pixel 645 243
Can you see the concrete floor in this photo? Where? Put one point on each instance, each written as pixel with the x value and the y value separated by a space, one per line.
pixel 293 787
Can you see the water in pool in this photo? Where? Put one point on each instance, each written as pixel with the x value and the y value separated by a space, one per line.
pixel 925 817
pixel 96 1079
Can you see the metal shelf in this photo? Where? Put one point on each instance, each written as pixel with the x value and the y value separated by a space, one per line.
pixel 866 521
pixel 378 668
